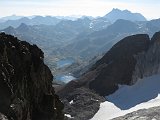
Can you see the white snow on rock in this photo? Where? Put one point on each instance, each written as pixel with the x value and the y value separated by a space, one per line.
pixel 68 115
pixel 144 94
pixel 71 102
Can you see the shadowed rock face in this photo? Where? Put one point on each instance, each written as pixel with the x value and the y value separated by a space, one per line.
pixel 118 64
pixel 132 58
pixel 26 82
pixel 148 63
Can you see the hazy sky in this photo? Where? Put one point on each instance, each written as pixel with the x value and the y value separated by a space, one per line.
pixel 149 8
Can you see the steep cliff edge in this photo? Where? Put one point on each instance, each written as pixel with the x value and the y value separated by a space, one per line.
pixel 118 64
pixel 26 90
pixel 143 91
pixel 148 63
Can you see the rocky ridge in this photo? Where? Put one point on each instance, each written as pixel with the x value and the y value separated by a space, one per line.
pixel 26 82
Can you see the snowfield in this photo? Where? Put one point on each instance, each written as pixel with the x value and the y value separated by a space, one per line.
pixel 142 95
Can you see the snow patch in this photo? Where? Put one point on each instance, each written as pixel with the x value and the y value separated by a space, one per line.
pixel 94 100
pixel 68 115
pixel 91 25
pixel 71 102
pixel 65 78
pixel 143 95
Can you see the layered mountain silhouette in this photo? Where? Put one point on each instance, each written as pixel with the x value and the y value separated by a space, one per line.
pixel 112 16
pixel 50 36
pixel 98 42
pixel 37 20
pixel 12 17
pixel 83 38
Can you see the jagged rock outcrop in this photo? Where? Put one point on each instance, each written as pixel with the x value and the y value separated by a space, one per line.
pixel 148 63
pixel 144 114
pixel 26 90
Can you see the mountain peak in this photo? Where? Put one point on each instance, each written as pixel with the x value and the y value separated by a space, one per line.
pixel 23 27
pixel 118 10
pixel 115 9
pixel 116 14
pixel 9 29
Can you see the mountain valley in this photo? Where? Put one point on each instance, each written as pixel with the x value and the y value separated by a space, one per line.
pixel 80 68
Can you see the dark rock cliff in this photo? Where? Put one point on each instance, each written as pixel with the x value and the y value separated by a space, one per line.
pixel 148 63
pixel 118 64
pixel 26 90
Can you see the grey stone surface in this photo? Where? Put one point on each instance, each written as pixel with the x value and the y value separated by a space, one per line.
pixel 144 114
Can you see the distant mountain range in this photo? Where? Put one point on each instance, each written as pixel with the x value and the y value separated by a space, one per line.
pixel 15 17
pixel 82 39
pixel 85 46
pixel 50 36
pixel 37 20
pixel 12 17
pixel 112 16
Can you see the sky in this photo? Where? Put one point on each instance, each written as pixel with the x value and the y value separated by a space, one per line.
pixel 149 8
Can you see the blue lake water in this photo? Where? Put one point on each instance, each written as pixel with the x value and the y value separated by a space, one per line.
pixel 65 62
pixel 65 78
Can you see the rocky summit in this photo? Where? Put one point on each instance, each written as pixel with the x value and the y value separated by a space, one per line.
pixel 26 83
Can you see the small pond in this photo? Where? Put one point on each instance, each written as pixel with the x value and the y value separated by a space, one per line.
pixel 65 62
pixel 64 78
